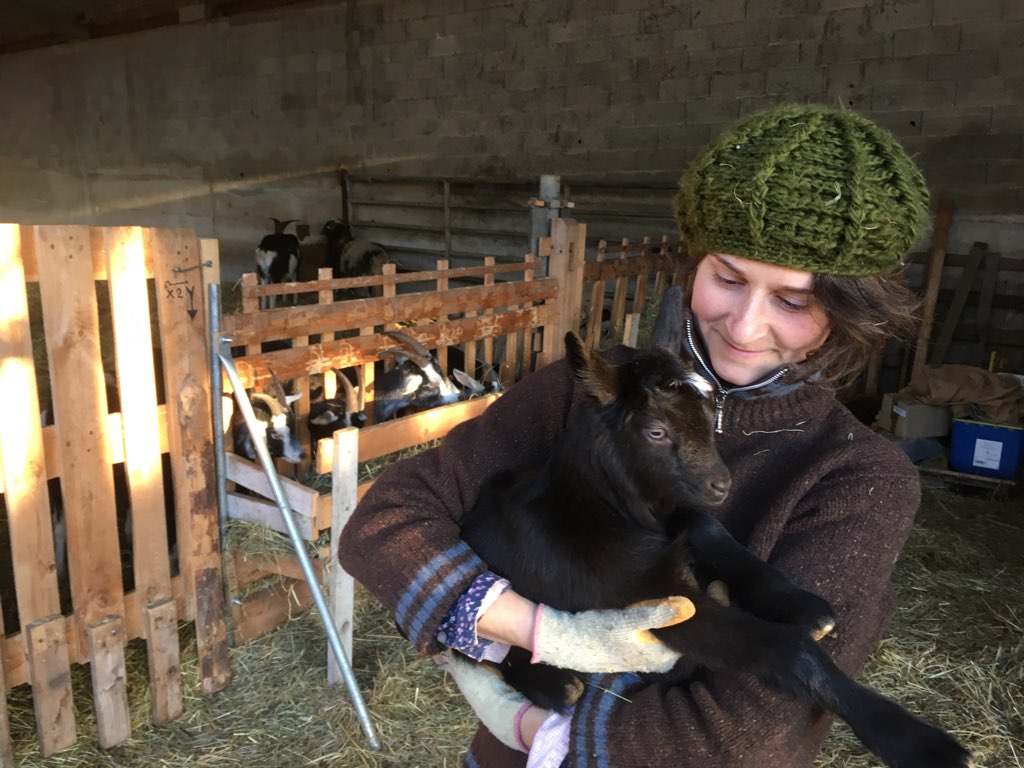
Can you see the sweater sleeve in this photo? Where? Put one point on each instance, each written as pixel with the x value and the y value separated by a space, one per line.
pixel 403 541
pixel 842 542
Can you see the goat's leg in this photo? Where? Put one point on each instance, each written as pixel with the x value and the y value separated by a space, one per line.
pixel 753 584
pixel 546 686
pixel 782 658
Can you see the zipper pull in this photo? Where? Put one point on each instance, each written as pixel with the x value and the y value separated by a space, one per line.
pixel 719 408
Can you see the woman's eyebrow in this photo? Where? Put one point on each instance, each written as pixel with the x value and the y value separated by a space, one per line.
pixel 786 288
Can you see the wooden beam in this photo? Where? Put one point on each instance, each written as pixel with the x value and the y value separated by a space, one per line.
pixel 937 255
pixel 956 307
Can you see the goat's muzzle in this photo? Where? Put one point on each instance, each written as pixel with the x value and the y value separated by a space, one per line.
pixel 716 487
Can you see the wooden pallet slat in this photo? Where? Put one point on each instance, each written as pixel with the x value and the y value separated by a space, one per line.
pixel 110 691
pixel 49 666
pixel 79 398
pixel 129 305
pixel 164 657
pixel 177 270
pixel 22 457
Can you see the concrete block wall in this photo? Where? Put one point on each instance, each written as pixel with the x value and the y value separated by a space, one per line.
pixel 219 123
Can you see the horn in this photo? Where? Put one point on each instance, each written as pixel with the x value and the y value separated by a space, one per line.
pixel 277 390
pixel 361 379
pixel 410 348
pixel 351 403
pixel 408 341
pixel 668 327
pixel 269 401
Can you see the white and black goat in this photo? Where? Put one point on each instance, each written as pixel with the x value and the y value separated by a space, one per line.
pixel 348 257
pixel 488 383
pixel 275 422
pixel 417 381
pixel 347 409
pixel 277 260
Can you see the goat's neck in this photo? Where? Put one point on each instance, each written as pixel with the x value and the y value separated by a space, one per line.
pixel 586 472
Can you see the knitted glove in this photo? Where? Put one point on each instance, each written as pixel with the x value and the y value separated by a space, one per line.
pixel 499 707
pixel 609 640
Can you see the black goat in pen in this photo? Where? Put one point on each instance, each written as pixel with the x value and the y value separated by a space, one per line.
pixel 615 516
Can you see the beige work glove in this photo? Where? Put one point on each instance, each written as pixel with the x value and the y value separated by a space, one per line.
pixel 499 706
pixel 609 640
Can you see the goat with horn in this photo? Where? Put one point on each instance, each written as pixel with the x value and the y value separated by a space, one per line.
pixel 276 422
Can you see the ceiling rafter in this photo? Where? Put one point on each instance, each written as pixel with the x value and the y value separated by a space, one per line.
pixel 29 24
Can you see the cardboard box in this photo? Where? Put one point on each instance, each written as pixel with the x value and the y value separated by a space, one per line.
pixel 993 450
pixel 908 418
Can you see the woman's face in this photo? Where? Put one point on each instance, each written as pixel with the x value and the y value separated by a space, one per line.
pixel 754 317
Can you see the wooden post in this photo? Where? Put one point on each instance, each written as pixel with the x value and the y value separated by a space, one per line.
pixel 341 588
pixel 51 684
pixel 566 264
pixel 164 661
pixel 489 261
pixel 631 330
pixel 442 285
pixel 619 297
pixel 176 265
pixel 106 653
pixel 936 258
pixel 596 303
pixel 640 286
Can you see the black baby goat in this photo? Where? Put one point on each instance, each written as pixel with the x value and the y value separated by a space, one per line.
pixel 626 483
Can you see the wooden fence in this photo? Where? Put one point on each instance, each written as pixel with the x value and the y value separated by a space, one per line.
pixel 57 284
pixel 515 324
pixel 618 284
pixel 77 304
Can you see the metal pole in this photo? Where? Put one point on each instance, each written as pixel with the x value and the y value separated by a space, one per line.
pixel 220 461
pixel 334 640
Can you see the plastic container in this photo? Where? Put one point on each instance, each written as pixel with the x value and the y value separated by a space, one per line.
pixel 993 450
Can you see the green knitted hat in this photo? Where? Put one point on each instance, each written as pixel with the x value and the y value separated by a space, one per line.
pixel 807 187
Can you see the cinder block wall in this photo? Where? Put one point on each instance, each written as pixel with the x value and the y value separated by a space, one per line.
pixel 219 123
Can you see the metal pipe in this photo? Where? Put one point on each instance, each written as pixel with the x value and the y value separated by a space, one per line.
pixel 220 460
pixel 334 640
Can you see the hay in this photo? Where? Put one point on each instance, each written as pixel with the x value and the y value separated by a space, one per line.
pixel 954 655
pixel 955 648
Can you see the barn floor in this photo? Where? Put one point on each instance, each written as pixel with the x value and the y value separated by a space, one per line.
pixel 955 654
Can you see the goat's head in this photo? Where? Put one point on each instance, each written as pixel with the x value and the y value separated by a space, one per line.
pixel 336 229
pixel 656 415
pixel 275 422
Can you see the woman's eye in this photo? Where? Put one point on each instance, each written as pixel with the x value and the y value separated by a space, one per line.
pixel 793 306
pixel 724 279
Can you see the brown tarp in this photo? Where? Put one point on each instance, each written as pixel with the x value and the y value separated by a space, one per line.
pixel 971 392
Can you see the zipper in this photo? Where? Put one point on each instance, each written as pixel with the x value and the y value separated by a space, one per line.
pixel 723 392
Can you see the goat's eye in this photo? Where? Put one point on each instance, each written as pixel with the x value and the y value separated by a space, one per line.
pixel 656 433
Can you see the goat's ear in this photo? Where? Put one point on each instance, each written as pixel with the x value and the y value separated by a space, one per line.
pixel 668 327
pixel 594 374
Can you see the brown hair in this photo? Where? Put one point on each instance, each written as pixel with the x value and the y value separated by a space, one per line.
pixel 863 313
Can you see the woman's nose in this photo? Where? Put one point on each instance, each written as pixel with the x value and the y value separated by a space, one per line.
pixel 746 321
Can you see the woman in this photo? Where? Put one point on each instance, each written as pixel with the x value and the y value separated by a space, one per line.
pixel 795 219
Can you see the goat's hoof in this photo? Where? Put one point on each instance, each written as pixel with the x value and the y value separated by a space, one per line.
pixel 824 629
pixel 573 691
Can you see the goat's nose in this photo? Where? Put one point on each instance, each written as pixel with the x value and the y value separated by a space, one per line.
pixel 718 489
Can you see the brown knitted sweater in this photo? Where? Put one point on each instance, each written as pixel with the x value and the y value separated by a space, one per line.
pixel 814 492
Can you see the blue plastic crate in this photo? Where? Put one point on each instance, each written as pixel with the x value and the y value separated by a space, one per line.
pixel 993 450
